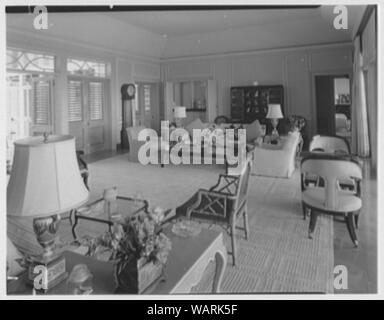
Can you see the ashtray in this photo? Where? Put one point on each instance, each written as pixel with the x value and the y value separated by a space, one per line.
pixel 186 228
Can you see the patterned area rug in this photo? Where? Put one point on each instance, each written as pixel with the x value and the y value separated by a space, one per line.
pixel 278 256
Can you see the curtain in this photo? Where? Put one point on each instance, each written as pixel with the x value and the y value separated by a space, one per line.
pixel 360 130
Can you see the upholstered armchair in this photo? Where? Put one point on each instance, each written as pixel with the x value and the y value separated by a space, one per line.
pixel 330 198
pixel 276 160
pixel 222 204
pixel 329 144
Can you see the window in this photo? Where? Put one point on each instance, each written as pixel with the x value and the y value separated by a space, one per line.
pixel 87 68
pixel 41 102
pixel 75 101
pixel 96 100
pixel 27 61
pixel 147 98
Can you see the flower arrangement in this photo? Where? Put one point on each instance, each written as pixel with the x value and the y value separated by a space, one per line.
pixel 136 237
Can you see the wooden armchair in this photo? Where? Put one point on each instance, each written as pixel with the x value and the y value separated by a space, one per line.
pixel 224 204
pixel 83 166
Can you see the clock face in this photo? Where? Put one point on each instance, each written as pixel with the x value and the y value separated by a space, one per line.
pixel 131 91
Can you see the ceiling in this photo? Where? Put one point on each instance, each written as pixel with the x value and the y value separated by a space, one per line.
pixel 184 23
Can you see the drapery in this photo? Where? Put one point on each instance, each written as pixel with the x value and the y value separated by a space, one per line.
pixel 360 130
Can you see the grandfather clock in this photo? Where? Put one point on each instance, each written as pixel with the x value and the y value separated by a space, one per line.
pixel 127 94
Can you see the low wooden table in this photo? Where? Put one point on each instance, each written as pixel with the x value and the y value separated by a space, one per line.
pixel 186 263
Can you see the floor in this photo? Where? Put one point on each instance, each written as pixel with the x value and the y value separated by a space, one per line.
pixel 361 262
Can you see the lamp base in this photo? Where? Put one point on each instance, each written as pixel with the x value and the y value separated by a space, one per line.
pixel 43 275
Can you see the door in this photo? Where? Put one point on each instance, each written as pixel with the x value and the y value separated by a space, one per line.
pixel 87 113
pixel 325 104
pixel 29 107
pixel 147 106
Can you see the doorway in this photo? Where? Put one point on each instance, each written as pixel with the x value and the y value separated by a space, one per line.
pixel 333 105
pixel 29 107
pixel 87 113
pixel 146 105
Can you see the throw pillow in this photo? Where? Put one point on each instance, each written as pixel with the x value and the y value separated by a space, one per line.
pixel 253 131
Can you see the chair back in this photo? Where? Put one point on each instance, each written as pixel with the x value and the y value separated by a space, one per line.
pixel 332 169
pixel 242 189
pixel 297 122
pixel 329 144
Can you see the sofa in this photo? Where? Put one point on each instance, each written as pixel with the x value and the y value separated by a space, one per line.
pixel 276 160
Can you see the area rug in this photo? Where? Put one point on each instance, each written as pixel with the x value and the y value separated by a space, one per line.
pixel 278 256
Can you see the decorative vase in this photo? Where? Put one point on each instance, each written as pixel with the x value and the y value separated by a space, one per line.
pixel 135 276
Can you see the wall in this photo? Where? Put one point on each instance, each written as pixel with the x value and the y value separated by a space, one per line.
pixel 294 68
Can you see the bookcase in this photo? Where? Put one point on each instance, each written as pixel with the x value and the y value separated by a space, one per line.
pixel 251 103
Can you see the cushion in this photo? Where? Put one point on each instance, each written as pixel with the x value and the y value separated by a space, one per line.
pixel 253 131
pixel 346 201
pixel 13 267
pixel 195 124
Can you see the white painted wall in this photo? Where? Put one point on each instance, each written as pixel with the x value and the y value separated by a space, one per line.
pixel 293 68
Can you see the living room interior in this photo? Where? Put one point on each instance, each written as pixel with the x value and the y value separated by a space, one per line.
pixel 298 215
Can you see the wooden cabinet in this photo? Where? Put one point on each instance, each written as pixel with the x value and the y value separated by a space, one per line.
pixel 198 96
pixel 251 103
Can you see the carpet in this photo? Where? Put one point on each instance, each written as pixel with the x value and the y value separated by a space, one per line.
pixel 278 256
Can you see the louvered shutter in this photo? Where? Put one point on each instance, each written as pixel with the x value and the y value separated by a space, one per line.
pixel 41 102
pixel 96 100
pixel 75 101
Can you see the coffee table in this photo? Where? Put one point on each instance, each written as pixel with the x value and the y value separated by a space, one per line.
pixel 186 263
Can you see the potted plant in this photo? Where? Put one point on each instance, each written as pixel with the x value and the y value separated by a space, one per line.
pixel 138 248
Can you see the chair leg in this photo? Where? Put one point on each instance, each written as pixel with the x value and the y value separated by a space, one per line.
pixel 351 228
pixel 233 240
pixel 245 217
pixel 356 216
pixel 312 224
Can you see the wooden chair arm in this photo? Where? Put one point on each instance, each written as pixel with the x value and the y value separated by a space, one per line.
pixel 221 177
pixel 214 194
pixel 80 158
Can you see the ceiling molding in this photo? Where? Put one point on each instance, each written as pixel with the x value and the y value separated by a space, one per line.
pixel 261 51
pixel 116 53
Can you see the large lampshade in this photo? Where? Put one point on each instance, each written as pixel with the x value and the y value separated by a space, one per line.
pixel 274 112
pixel 179 112
pixel 45 178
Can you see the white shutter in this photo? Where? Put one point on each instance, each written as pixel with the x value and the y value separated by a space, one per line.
pixel 75 110
pixel 41 102
pixel 96 100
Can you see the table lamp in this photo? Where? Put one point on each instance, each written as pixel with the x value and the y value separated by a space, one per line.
pixel 45 182
pixel 274 113
pixel 179 113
